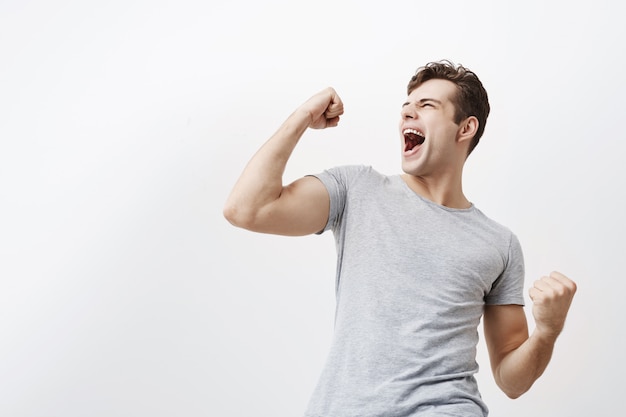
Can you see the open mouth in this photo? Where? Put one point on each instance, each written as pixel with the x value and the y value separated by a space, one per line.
pixel 412 138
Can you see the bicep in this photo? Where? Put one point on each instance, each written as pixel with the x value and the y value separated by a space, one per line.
pixel 302 208
pixel 505 329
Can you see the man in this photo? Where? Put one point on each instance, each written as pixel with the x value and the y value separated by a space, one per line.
pixel 418 263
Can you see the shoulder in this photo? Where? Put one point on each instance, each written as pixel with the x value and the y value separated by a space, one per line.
pixel 491 224
pixel 353 170
pixel 350 174
pixel 497 232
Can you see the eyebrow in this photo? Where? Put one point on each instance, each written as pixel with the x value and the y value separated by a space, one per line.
pixel 422 101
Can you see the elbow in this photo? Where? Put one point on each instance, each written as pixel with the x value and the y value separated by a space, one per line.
pixel 238 217
pixel 513 392
pixel 513 387
pixel 229 212
pixel 233 215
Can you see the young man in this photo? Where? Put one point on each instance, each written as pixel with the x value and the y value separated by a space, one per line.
pixel 418 263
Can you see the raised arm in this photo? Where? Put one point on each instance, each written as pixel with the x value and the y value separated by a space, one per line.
pixel 260 202
pixel 517 360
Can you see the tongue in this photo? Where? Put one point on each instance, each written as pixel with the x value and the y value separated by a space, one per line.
pixel 412 140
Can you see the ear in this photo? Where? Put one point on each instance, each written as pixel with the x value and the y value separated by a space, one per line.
pixel 467 130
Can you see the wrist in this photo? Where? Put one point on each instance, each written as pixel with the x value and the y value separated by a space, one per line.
pixel 304 115
pixel 545 336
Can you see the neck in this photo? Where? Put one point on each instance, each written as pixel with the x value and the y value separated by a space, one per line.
pixel 446 192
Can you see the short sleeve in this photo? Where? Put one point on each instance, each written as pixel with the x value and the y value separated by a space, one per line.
pixel 337 180
pixel 509 287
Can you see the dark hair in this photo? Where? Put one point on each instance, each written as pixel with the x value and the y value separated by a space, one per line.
pixel 471 98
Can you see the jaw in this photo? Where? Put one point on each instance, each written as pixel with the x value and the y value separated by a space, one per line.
pixel 413 160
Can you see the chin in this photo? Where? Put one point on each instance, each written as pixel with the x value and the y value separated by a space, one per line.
pixel 410 169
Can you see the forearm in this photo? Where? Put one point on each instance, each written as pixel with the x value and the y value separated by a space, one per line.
pixel 261 182
pixel 519 369
pixel 517 360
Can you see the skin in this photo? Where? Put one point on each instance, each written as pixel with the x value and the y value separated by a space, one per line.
pixel 260 202
pixel 434 169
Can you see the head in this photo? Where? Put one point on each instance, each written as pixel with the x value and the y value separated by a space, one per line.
pixel 470 98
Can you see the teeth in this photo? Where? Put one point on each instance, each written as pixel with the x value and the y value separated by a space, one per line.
pixel 415 132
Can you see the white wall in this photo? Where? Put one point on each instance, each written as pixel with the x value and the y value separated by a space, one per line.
pixel 123 125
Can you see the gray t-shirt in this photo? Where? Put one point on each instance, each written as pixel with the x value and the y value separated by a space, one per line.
pixel 412 281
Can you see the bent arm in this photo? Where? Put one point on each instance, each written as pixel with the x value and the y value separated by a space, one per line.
pixel 260 202
pixel 518 360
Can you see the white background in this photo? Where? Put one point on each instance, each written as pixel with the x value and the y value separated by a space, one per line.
pixel 123 125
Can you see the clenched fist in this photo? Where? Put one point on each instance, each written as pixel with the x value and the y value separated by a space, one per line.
pixel 551 296
pixel 324 109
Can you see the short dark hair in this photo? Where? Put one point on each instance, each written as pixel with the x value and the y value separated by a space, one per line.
pixel 471 98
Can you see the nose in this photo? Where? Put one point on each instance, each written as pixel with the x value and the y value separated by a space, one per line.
pixel 408 112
